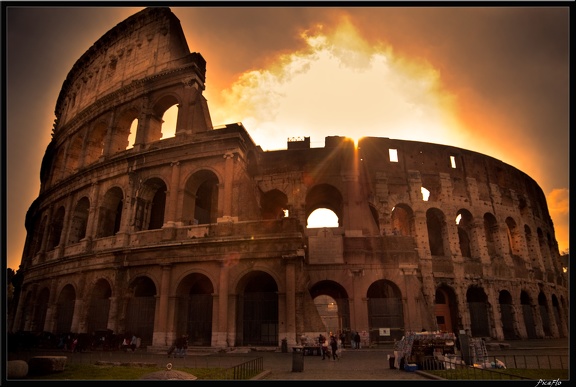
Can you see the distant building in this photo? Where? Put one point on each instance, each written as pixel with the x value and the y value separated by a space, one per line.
pixel 204 233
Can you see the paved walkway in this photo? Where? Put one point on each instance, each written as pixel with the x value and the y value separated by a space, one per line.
pixel 362 364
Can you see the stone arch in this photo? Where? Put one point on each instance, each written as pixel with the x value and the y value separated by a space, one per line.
pixel 141 309
pixel 40 309
pixel 56 227
pixel 257 310
pixel 437 232
pixel 385 309
pixel 273 204
pixel 38 233
pixel 95 142
pixel 402 219
pixel 324 196
pixel 194 309
pixel 334 318
pixel 150 205
pixel 478 308
pixel 200 204
pixel 514 237
pixel 73 154
pixel 58 165
pixel 110 213
pixel 446 309
pixel 122 131
pixel 465 228
pixel 159 107
pixel 65 309
pixel 507 315
pixel 79 221
pixel 99 306
pixel 557 315
pixel 529 323
pixel 543 305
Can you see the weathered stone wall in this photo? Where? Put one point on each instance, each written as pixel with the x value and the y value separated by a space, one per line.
pixel 200 216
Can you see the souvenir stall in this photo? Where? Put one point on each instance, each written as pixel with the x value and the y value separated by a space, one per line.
pixel 415 349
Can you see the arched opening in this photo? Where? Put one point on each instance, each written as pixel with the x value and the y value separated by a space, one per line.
pixel 150 205
pixel 141 309
pixel 201 199
pixel 257 317
pixel 478 308
pixel 99 308
pixel 40 310
pixel 56 227
pixel 79 221
pixel 385 310
pixel 169 119
pixel 543 304
pixel 95 143
pixel 402 222
pixel 333 307
pixel 194 312
pixel 110 213
pixel 507 315
pixel 65 310
pixel 329 200
pixel 445 307
pixel 529 323
pixel 465 227
pixel 273 205
pixel 437 233
pixel 124 130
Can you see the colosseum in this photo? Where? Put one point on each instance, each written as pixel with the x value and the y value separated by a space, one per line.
pixel 204 233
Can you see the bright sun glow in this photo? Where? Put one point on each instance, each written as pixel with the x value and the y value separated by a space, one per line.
pixel 340 85
pixel 322 217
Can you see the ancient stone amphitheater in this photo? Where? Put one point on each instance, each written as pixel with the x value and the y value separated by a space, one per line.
pixel 203 233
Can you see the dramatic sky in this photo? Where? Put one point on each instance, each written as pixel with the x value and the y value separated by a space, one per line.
pixel 491 79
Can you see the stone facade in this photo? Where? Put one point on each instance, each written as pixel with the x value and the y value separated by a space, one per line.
pixel 204 233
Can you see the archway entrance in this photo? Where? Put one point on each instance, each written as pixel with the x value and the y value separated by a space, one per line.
pixel 257 317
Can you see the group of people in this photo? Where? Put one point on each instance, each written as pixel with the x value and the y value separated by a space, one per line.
pixel 330 347
pixel 129 343
pixel 179 348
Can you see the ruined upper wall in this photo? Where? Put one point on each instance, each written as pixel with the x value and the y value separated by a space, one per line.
pixel 146 43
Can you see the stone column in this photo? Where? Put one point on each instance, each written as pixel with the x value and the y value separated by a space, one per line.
pixel 228 187
pixel 162 311
pixel 91 227
pixel 172 197
pixel 290 311
pixel 113 315
pixel 222 331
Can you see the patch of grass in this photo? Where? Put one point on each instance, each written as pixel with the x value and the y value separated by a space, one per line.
pixel 110 372
pixel 476 374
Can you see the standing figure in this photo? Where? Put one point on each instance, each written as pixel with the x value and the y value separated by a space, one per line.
pixel 334 347
pixel 357 340
pixel 323 345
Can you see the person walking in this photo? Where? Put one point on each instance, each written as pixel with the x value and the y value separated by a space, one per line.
pixel 334 347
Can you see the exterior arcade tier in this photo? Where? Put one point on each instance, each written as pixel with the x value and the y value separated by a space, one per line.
pixel 204 233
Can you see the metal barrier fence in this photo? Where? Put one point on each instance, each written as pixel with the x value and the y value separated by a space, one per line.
pixel 493 368
pixel 245 370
